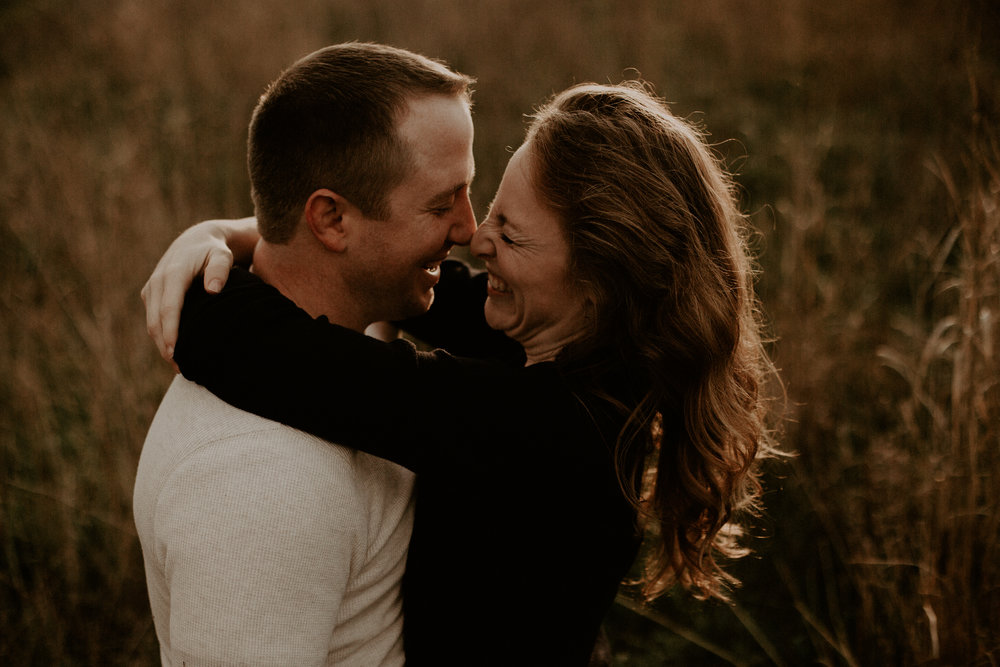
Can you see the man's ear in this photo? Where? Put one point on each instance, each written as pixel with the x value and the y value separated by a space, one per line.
pixel 324 213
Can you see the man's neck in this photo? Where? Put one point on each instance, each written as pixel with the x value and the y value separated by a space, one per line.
pixel 303 279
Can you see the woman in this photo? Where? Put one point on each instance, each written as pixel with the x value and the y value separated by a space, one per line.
pixel 615 255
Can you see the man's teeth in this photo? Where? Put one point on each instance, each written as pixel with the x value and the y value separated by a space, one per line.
pixel 433 267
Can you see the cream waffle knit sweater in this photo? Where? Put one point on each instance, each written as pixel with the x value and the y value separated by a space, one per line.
pixel 267 546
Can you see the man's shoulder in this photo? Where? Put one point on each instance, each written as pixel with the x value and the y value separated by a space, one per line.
pixel 191 417
pixel 196 430
pixel 196 438
pixel 216 466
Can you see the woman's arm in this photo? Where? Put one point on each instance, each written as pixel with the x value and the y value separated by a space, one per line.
pixel 255 349
pixel 454 323
pixel 210 247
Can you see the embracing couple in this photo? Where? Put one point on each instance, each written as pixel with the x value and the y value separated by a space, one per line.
pixel 310 495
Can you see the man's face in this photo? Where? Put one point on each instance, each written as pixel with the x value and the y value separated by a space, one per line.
pixel 396 262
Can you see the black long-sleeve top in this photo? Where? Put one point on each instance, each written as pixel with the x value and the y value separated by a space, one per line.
pixel 521 533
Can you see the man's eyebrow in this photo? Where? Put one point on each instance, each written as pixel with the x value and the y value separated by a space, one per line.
pixel 444 196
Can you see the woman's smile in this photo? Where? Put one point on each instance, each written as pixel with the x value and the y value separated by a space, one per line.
pixel 495 284
pixel 531 294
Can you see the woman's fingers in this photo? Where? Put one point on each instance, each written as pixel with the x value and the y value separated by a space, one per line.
pixel 201 249
pixel 174 285
pixel 151 293
pixel 220 261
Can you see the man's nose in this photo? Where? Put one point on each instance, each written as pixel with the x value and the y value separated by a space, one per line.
pixel 464 225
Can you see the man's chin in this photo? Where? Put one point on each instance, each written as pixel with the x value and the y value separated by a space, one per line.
pixel 416 306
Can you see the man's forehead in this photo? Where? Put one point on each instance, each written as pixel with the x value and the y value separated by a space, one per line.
pixel 438 135
pixel 446 109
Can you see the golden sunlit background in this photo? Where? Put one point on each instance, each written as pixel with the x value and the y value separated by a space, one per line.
pixel 864 135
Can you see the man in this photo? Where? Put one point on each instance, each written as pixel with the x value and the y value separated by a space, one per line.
pixel 263 545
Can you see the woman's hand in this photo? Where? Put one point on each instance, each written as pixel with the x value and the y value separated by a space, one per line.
pixel 210 247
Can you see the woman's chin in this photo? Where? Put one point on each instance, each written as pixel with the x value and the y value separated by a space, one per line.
pixel 496 319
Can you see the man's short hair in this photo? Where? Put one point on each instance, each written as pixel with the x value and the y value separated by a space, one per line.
pixel 330 121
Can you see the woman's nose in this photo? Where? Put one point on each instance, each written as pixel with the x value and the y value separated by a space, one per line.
pixel 482 245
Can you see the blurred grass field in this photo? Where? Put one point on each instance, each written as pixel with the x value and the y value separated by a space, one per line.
pixel 865 139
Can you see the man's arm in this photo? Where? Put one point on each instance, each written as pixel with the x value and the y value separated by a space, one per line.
pixel 256 538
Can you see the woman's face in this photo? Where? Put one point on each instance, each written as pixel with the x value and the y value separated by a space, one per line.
pixel 531 295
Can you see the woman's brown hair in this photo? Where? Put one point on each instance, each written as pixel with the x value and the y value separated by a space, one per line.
pixel 656 236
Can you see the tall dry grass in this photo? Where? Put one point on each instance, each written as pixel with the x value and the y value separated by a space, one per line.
pixel 936 548
pixel 904 487
pixel 113 134
pixel 864 164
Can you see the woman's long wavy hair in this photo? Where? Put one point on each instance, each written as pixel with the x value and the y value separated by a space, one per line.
pixel 657 238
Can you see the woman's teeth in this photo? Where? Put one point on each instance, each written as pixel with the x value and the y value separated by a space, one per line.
pixel 496 283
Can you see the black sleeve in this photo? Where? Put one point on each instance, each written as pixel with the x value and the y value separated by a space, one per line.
pixel 257 350
pixel 455 321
